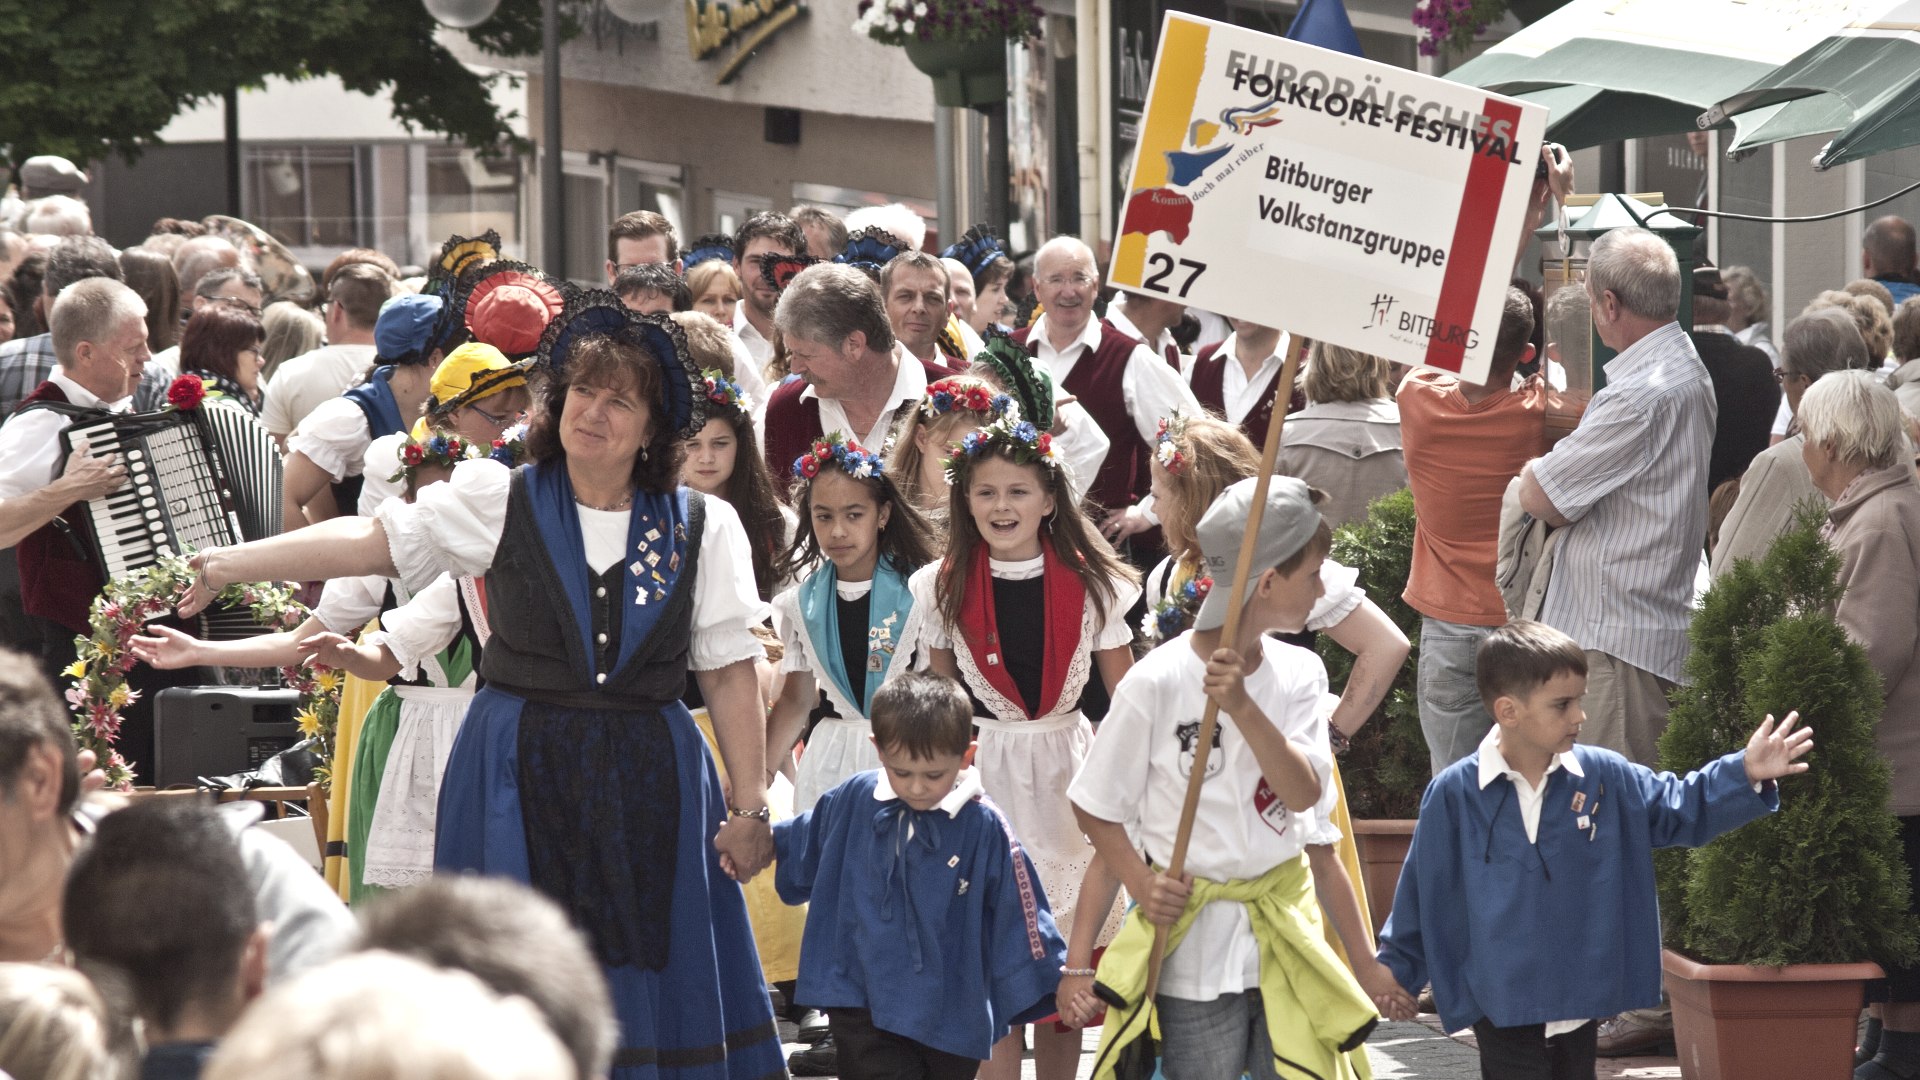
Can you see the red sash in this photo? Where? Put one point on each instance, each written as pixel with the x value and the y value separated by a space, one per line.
pixel 1066 599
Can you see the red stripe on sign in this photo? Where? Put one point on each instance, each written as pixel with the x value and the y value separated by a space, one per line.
pixel 1472 237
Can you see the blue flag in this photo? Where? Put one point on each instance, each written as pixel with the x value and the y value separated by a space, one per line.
pixel 1325 23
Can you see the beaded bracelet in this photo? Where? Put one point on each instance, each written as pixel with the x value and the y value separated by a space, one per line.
pixel 1087 972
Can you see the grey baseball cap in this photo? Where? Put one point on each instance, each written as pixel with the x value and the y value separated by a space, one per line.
pixel 1289 522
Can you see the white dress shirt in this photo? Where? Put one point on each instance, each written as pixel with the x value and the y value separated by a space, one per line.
pixel 757 345
pixel 1149 387
pixel 30 456
pixel 1240 394
pixel 1493 766
pixel 1117 318
pixel 909 386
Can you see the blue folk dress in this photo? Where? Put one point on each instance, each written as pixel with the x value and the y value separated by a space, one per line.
pixel 579 770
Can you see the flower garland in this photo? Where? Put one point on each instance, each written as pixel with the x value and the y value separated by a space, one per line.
pixel 1166 444
pixel 1175 611
pixel 948 395
pixel 100 692
pixel 1018 439
pixel 442 450
pixel 510 448
pixel 852 458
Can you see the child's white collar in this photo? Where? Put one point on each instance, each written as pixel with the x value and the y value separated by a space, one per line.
pixel 1493 764
pixel 965 788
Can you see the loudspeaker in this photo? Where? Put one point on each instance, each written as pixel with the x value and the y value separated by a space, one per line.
pixel 783 126
pixel 219 730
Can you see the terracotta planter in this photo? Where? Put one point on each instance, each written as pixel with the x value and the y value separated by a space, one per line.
pixel 1734 1022
pixel 1383 847
pixel 964 73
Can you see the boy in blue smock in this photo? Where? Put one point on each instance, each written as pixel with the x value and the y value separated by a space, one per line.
pixel 928 936
pixel 1527 898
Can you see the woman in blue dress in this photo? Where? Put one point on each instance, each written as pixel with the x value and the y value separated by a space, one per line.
pixel 578 770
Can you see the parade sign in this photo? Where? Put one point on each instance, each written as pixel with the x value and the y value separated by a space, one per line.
pixel 1339 199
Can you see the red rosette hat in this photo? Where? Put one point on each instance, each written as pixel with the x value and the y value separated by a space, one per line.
pixel 509 305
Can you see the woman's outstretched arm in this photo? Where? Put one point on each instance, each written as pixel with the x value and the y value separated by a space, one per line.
pixel 340 547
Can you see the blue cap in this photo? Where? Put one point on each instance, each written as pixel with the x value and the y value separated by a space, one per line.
pixel 404 332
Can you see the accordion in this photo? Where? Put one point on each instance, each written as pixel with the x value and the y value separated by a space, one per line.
pixel 197 478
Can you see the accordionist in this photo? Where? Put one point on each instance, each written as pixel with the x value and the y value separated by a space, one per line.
pixel 100 346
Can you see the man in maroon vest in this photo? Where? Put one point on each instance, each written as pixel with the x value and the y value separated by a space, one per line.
pixel 1235 378
pixel 855 378
pixel 1150 320
pixel 1121 382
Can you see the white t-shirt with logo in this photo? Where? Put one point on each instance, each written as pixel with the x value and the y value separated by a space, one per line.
pixel 1137 775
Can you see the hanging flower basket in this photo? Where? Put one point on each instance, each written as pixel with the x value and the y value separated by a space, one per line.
pixel 960 44
pixel 964 73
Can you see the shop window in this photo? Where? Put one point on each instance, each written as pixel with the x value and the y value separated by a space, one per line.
pixel 467 194
pixel 305 196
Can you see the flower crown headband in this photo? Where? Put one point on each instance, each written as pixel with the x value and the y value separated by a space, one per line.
pixel 451 450
pixel 725 393
pixel 1017 438
pixel 851 458
pixel 950 395
pixel 1167 442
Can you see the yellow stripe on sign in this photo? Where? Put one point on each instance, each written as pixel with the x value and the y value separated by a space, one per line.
pixel 1176 83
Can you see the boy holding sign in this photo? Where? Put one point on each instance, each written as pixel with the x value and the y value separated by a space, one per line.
pixel 1249 979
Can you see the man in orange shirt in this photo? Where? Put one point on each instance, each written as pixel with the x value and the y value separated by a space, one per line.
pixel 1463 444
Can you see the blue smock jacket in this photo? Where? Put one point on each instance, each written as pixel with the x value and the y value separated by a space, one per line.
pixel 1565 928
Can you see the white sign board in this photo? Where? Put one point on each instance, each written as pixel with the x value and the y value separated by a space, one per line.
pixel 1335 198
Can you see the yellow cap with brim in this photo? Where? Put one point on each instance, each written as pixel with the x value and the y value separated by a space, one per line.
pixel 473 372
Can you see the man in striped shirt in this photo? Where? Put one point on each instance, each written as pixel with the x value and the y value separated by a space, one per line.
pixel 1629 485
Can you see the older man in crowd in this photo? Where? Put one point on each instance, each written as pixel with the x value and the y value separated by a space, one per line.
pixel 1630 483
pixel 1814 345
pixel 235 286
pixel 855 377
pixel 1743 384
pixel 1887 256
pixel 1630 487
pixel 918 294
pixel 1124 384
pixel 26 362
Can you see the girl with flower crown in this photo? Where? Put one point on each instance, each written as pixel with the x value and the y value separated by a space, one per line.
pixel 1028 601
pixel 843 623
pixel 426 652
pixel 724 461
pixel 952 407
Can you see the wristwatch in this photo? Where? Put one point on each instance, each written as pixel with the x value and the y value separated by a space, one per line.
pixel 762 814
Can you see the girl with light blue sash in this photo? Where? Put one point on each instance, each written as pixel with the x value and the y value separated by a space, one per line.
pixel 843 623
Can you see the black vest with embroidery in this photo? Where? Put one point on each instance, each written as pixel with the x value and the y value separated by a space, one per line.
pixel 535 649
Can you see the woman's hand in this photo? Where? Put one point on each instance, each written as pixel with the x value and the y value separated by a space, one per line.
pixel 200 595
pixel 745 846
pixel 335 651
pixel 165 648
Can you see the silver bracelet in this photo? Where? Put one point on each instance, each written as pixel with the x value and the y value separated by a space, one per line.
pixel 1087 972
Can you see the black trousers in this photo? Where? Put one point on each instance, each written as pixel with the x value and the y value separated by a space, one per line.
pixel 867 1053
pixel 1525 1052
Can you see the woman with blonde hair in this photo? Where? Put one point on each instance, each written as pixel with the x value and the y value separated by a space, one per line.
pixel 1347 440
pixel 291 331
pixel 951 408
pixel 53 1025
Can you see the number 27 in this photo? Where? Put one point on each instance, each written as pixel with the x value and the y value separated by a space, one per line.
pixel 1163 265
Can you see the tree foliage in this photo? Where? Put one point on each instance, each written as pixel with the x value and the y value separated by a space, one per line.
pixel 1387 766
pixel 1822 880
pixel 89 77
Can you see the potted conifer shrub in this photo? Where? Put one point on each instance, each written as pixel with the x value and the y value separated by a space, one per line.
pixel 1772 929
pixel 1386 768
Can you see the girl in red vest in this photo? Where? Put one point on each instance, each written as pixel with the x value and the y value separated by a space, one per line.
pixel 1028 601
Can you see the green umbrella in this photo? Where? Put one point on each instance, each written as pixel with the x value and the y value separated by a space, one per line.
pixel 1650 67
pixel 1860 80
